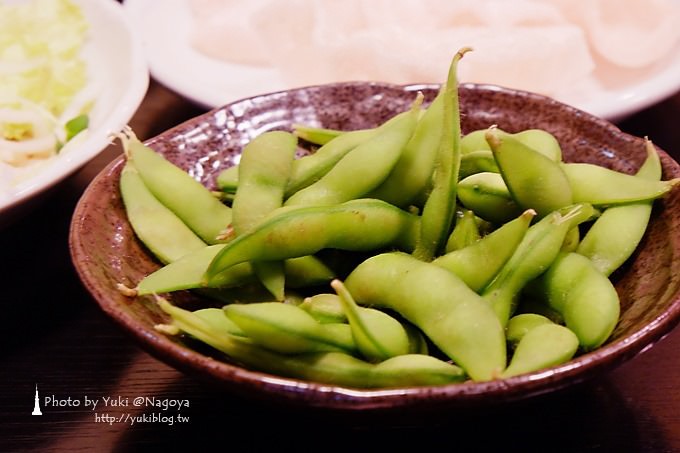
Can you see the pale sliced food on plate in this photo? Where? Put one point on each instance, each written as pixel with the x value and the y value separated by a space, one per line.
pixel 554 47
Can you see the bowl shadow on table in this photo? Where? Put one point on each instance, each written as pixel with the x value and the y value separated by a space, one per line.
pixel 588 416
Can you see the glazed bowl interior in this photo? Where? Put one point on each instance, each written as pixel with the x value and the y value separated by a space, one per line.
pixel 105 251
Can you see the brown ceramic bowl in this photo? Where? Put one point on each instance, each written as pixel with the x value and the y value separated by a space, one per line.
pixel 105 251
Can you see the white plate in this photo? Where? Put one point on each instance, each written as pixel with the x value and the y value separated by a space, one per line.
pixel 120 77
pixel 166 27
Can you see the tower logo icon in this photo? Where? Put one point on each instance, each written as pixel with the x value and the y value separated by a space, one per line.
pixel 36 406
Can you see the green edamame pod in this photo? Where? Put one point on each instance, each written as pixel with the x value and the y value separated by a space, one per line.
pixel 538 249
pixel 316 135
pixel 478 263
pixel 161 231
pixel 465 232
pixel 378 336
pixel 534 180
pixel 413 171
pixel 367 165
pixel 520 324
pixel 477 162
pixel 326 367
pixel 474 141
pixel 439 207
pixel 542 141
pixel 264 171
pixel 218 320
pixel 488 196
pixel 194 204
pixel 325 308
pixel 309 169
pixel 586 298
pixel 537 139
pixel 356 225
pixel 227 179
pixel 613 238
pixel 543 346
pixel 188 271
pixel 602 186
pixel 288 329
pixel 457 320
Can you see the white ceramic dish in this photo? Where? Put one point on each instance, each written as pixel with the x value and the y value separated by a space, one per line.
pixel 210 82
pixel 119 76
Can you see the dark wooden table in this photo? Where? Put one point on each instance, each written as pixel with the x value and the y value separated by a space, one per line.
pixel 56 338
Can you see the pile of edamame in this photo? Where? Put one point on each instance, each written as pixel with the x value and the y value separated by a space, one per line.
pixel 407 254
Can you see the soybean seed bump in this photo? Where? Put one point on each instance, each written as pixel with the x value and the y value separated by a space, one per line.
pixel 453 258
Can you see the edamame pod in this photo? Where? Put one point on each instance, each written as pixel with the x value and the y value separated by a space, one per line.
pixel 356 225
pixel 327 308
pixel 586 298
pixel 478 263
pixel 367 165
pixel 543 346
pixel 457 320
pixel 218 320
pixel 602 186
pixel 477 162
pixel 316 135
pixel 534 180
pixel 439 207
pixel 188 271
pixel 537 139
pixel 520 324
pixel 413 171
pixel 227 179
pixel 488 196
pixel 264 171
pixel 309 169
pixel 465 232
pixel 377 335
pixel 194 204
pixel 326 367
pixel 288 329
pixel 538 249
pixel 615 235
pixel 161 231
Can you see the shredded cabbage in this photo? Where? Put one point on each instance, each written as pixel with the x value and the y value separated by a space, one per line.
pixel 41 71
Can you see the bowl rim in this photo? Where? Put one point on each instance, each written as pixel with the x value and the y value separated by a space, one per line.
pixel 311 394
